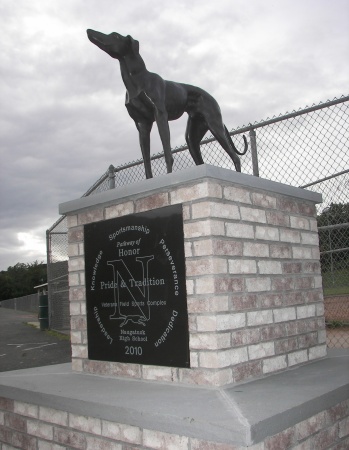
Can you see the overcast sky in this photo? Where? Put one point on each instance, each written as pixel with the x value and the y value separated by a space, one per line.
pixel 63 119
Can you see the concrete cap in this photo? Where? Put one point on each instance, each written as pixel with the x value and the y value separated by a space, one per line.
pixel 238 414
pixel 191 174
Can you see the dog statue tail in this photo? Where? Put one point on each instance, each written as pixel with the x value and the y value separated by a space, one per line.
pixel 232 143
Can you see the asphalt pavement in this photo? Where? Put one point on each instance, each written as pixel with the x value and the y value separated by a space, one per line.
pixel 23 346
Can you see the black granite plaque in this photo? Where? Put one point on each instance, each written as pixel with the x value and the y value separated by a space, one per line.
pixel 135 289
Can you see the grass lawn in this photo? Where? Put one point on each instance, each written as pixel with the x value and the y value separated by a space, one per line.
pixel 336 282
pixel 341 290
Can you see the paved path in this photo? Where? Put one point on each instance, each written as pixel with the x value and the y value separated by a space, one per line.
pixel 23 346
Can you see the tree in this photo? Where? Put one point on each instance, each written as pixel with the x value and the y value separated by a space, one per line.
pixel 334 238
pixel 334 214
pixel 20 279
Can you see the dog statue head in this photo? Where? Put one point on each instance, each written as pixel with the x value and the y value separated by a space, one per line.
pixel 116 45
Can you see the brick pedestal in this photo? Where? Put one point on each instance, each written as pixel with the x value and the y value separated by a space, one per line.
pixel 253 278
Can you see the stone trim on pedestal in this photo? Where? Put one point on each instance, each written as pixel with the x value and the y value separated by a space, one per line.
pixel 254 288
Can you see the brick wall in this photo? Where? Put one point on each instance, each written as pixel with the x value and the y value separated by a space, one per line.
pixel 32 427
pixel 254 286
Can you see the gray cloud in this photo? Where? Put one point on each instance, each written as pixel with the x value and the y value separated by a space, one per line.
pixel 63 119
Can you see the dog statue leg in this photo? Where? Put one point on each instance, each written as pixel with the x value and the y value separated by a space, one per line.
pixel 144 129
pixel 222 139
pixel 217 129
pixel 164 131
pixel 196 129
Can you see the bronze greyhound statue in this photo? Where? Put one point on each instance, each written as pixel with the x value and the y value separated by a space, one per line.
pixel 149 98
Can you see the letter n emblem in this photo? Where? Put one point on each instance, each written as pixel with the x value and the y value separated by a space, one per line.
pixel 126 289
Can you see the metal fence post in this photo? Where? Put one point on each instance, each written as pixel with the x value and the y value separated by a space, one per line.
pixel 254 154
pixel 48 270
pixel 111 177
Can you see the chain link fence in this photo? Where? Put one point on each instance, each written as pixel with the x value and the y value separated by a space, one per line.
pixel 333 225
pixel 307 148
pixel 57 275
pixel 29 303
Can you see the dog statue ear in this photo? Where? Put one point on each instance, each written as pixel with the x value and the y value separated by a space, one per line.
pixel 134 44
